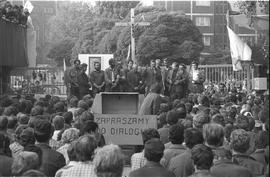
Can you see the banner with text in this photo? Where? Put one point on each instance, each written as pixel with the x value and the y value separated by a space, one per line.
pixel 123 129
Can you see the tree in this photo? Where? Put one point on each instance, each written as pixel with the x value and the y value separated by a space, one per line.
pixel 105 15
pixel 60 51
pixel 170 35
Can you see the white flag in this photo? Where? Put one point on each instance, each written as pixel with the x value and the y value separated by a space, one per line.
pixel 28 5
pixel 240 51
pixel 128 54
pixel 64 62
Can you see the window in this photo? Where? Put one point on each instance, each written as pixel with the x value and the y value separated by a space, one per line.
pixel 202 21
pixel 202 3
pixel 206 40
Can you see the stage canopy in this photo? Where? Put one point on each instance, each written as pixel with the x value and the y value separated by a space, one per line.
pixel 13 45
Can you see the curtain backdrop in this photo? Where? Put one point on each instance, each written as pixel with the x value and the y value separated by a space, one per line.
pixel 13 45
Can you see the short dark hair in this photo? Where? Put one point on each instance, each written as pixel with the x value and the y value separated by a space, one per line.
pixel 59 106
pixel 36 110
pixel 153 150
pixel 88 127
pixel 12 122
pixel 149 133
pixel 192 137
pixel 58 122
pixel 73 102
pixel 202 156
pixel 85 148
pixel 43 131
pixel 204 100
pixel 218 118
pixel 23 119
pixel 213 134
pixel 182 113
pixel 176 134
pixel 82 104
pixel 242 122
pixel 172 117
pixel 240 140
pixel 68 116
pixel 111 61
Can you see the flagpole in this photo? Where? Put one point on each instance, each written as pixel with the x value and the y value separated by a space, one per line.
pixel 228 18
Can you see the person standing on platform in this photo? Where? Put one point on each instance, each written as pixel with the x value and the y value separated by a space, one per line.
pixel 164 73
pixel 152 76
pixel 97 79
pixel 83 81
pixel 197 79
pixel 175 82
pixel 71 79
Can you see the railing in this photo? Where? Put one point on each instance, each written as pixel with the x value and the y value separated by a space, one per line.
pixel 38 80
pixel 224 73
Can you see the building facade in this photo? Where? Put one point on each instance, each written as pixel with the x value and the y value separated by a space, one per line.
pixel 210 18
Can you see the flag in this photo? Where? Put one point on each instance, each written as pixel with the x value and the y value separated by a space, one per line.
pixel 28 5
pixel 240 51
pixel 128 54
pixel 64 63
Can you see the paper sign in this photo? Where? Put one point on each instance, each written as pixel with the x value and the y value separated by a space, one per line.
pixel 122 129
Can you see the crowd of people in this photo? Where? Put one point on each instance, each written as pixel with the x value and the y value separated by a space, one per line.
pixel 200 132
pixel 13 13
pixel 174 80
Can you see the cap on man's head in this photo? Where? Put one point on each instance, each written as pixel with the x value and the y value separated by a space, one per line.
pixel 154 145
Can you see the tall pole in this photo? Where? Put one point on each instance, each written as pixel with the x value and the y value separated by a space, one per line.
pixel 228 18
pixel 132 37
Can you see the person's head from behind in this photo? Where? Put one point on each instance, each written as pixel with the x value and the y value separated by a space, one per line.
pixel 82 104
pixel 43 131
pixel 25 161
pixel 213 134
pixel 73 102
pixel 242 122
pixel 200 119
pixel 109 161
pixel 153 150
pixel 85 116
pixel 155 88
pixel 68 117
pixel 89 127
pixel 58 122
pixel 85 148
pixel 188 107
pixel 59 107
pixel 182 113
pixel 3 123
pixel 37 110
pixel 202 157
pixel 193 136
pixel 203 100
pixel 218 119
pixel 149 133
pixel 70 135
pixel 240 141
pixel 23 119
pixel 27 137
pixel 172 117
pixel 176 134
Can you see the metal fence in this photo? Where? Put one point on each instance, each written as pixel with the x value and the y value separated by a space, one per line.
pixel 224 73
pixel 38 80
pixel 51 80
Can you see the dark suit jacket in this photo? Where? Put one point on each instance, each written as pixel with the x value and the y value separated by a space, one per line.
pixel 151 169
pixel 51 160
pixel 5 165
pixel 226 168
pixel 256 168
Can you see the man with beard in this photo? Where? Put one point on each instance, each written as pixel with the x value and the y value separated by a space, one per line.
pixel 83 81
pixel 97 78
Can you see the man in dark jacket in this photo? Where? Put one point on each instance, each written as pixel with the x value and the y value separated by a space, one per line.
pixel 97 78
pixel 240 143
pixel 5 159
pixel 153 152
pixel 83 81
pixel 51 159
pixel 224 167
